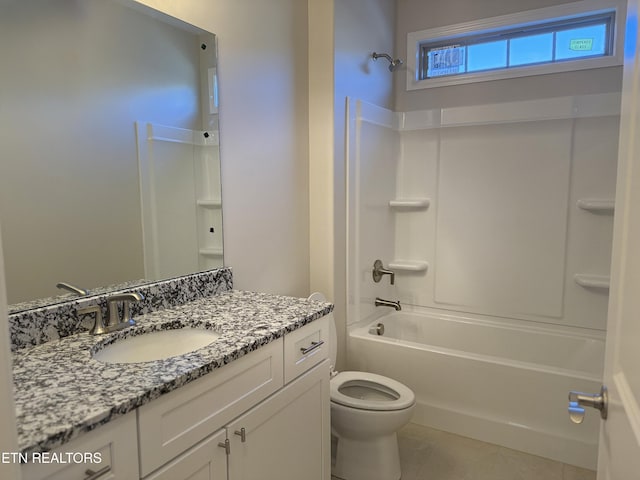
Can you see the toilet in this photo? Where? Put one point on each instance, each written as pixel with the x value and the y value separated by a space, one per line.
pixel 366 412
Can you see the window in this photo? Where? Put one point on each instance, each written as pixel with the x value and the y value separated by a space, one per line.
pixel 518 46
pixel 570 37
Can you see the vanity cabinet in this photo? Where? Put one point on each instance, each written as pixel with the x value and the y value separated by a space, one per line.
pixel 180 419
pixel 285 437
pixel 262 416
pixel 273 407
pixel 115 442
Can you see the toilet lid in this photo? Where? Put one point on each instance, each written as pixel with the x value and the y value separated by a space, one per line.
pixel 369 391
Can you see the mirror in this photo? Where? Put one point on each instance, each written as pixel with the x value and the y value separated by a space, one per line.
pixel 110 168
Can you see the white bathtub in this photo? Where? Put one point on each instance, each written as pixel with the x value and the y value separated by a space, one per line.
pixel 500 382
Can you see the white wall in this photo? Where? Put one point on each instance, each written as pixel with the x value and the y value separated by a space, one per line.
pixel 416 15
pixel 361 28
pixel 321 168
pixel 264 136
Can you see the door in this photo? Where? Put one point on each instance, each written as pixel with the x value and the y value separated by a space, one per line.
pixel 619 455
pixel 286 437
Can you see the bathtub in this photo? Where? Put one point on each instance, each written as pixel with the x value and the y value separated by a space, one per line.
pixel 502 382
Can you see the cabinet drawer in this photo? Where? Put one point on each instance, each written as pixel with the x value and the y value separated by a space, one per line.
pixel 174 422
pixel 306 347
pixel 115 443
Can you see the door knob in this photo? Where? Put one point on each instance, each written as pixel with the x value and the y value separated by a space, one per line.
pixel 579 400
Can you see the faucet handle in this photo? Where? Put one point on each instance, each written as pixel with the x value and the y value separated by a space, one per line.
pixel 98 326
pixel 379 271
pixel 125 298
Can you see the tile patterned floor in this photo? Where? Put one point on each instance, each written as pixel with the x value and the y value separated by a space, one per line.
pixel 428 454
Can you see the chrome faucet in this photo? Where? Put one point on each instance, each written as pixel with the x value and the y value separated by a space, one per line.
pixel 380 302
pixel 112 308
pixel 113 323
pixel 379 271
pixel 72 288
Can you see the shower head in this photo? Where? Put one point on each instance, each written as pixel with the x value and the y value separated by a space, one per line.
pixel 393 64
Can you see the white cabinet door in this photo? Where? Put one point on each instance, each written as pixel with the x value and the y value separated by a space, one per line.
pixel 287 436
pixel 619 455
pixel 178 420
pixel 205 461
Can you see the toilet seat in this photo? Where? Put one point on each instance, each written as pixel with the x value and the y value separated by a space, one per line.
pixel 363 390
pixel 385 394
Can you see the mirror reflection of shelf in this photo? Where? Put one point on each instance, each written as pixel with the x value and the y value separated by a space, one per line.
pixel 597 205
pixel 166 133
pixel 211 252
pixel 210 203
pixel 409 265
pixel 592 281
pixel 179 168
pixel 410 203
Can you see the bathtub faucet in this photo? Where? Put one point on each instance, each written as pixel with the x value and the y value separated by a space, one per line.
pixel 380 302
pixel 379 271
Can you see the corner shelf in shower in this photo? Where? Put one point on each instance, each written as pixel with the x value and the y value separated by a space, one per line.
pixel 586 280
pixel 211 252
pixel 409 265
pixel 597 205
pixel 410 203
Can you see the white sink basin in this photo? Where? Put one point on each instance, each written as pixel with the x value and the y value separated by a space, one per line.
pixel 156 345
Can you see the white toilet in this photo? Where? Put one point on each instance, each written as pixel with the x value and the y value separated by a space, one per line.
pixel 366 412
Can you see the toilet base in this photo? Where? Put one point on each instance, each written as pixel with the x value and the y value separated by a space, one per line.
pixel 376 459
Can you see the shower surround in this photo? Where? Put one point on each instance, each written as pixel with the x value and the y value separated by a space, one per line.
pixel 497 213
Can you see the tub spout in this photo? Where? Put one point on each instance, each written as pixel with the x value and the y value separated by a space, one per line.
pixel 380 302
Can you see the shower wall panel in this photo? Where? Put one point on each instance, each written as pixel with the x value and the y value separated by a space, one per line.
pixel 482 212
pixel 373 151
pixel 501 218
pixel 504 235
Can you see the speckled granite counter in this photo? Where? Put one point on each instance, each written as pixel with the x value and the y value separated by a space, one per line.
pixel 61 391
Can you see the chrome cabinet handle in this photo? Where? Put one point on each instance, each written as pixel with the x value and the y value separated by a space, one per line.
pixel 579 400
pixel 226 445
pixel 242 433
pixel 91 475
pixel 312 347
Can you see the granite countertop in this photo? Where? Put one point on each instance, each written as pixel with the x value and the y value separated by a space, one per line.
pixel 61 391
